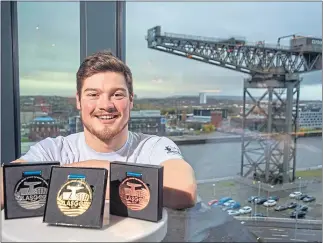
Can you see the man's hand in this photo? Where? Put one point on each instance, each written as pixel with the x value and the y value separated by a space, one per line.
pixel 1 183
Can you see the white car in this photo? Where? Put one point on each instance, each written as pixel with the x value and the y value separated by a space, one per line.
pixel 245 210
pixel 233 212
pixel 228 203
pixel 270 203
pixel 295 194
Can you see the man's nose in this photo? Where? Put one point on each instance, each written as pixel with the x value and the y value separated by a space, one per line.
pixel 105 103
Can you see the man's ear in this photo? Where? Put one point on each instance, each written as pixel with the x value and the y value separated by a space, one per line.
pixel 131 101
pixel 78 103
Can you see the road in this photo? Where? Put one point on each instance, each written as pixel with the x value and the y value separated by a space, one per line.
pixel 270 234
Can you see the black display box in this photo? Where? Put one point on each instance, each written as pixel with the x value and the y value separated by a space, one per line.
pixel 76 197
pixel 25 188
pixel 136 191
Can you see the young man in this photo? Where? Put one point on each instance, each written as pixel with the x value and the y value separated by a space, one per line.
pixel 105 98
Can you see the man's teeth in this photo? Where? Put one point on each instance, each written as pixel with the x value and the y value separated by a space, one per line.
pixel 106 117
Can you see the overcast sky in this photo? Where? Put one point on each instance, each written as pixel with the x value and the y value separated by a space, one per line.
pixel 49 44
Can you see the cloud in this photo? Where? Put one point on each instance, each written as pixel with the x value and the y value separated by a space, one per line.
pixel 51 69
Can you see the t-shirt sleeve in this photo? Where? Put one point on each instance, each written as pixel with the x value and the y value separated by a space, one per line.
pixel 164 149
pixel 45 150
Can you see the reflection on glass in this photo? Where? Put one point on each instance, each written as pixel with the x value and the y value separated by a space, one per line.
pixel 187 61
pixel 49 54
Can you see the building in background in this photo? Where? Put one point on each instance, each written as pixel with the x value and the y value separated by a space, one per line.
pixel 148 121
pixel 208 111
pixel 203 99
pixel 310 119
pixel 43 127
pixel 75 124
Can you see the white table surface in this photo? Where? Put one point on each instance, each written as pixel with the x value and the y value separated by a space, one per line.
pixel 116 229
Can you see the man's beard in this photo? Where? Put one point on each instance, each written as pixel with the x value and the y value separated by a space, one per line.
pixel 106 134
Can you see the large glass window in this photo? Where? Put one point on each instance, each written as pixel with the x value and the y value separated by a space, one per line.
pixel 49 55
pixel 189 73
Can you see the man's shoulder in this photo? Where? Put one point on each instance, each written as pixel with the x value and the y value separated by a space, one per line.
pixel 148 138
pixel 61 140
pixel 154 149
pixel 148 141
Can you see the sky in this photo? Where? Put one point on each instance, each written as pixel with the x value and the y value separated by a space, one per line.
pixel 49 44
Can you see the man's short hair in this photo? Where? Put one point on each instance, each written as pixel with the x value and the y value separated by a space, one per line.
pixel 102 61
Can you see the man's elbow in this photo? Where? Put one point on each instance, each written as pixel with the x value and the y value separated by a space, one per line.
pixel 191 197
pixel 180 198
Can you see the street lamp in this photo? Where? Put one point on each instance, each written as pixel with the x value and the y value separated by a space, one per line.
pixel 268 198
pixel 213 190
pixel 254 201
pixel 300 183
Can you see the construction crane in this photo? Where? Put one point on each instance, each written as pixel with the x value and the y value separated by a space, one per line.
pixel 270 158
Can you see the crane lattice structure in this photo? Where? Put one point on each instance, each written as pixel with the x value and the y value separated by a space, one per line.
pixel 270 158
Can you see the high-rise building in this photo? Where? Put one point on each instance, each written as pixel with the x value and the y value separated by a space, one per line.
pixel 203 98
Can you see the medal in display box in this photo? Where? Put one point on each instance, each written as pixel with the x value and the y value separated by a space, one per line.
pixel 136 191
pixel 76 197
pixel 25 188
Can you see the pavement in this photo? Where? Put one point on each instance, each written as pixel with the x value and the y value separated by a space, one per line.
pixel 279 234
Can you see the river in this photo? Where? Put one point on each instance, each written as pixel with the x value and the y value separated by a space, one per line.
pixel 224 159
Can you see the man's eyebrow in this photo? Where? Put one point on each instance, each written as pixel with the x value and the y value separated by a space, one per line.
pixel 98 90
pixel 122 89
pixel 91 89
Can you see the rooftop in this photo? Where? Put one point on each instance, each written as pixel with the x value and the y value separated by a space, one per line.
pixel 44 119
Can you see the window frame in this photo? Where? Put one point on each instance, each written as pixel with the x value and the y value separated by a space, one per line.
pixel 92 24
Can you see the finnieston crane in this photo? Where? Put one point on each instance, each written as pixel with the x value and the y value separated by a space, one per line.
pixel 270 158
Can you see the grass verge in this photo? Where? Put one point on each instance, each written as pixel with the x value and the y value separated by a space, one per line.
pixel 309 173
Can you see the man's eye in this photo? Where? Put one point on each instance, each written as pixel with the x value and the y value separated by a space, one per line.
pixel 119 95
pixel 92 94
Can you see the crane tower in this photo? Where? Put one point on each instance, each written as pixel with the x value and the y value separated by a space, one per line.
pixel 271 156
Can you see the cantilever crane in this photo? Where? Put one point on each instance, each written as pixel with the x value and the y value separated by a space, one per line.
pixel 271 67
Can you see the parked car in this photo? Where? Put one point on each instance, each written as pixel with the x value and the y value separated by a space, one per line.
pixel 300 197
pixel 235 205
pixel 212 202
pixel 245 210
pixel 233 212
pixel 292 205
pixel 270 203
pixel 223 200
pixel 281 207
pixel 276 198
pixel 260 200
pixel 301 208
pixel 309 199
pixel 298 214
pixel 295 194
pixel 252 198
pixel 228 203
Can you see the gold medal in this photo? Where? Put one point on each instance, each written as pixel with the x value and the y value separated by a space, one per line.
pixel 134 193
pixel 75 196
pixel 31 191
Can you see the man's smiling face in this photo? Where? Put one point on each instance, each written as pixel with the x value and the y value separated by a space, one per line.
pixel 105 104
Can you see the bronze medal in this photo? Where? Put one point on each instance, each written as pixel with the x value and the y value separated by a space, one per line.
pixel 31 191
pixel 134 193
pixel 74 198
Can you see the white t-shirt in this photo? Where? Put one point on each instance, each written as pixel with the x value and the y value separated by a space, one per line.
pixel 139 148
